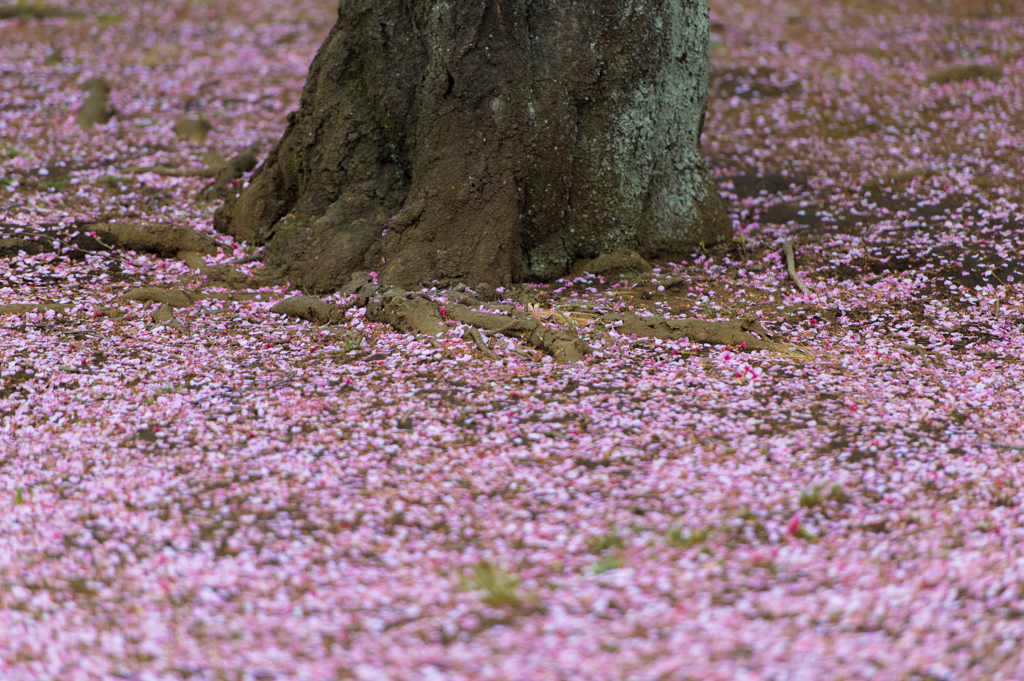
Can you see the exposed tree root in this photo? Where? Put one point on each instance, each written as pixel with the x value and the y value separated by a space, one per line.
pixel 406 312
pixel 910 347
pixel 736 333
pixel 12 247
pixel 50 239
pixel 165 315
pixel 111 312
pixel 22 308
pixel 224 173
pixel 245 259
pixel 958 74
pixel 481 344
pixel 170 171
pixel 181 299
pixel 562 346
pixel 193 129
pixel 218 275
pixel 311 309
pixel 233 170
pixel 415 313
pixel 163 240
pixel 611 264
pixel 27 12
pixel 96 108
pixel 154 295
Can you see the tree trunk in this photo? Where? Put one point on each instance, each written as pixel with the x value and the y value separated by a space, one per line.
pixel 489 141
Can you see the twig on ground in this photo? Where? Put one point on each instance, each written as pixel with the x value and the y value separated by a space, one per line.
pixel 791 266
pixel 999 445
pixel 406 422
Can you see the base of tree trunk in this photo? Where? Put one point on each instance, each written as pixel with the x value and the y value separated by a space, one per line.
pixel 490 142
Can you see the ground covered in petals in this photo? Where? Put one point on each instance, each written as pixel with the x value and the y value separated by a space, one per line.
pixel 195 487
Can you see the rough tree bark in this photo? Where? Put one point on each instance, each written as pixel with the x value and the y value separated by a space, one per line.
pixel 489 141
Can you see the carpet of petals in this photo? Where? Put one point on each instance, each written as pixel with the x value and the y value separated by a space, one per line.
pixel 260 498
